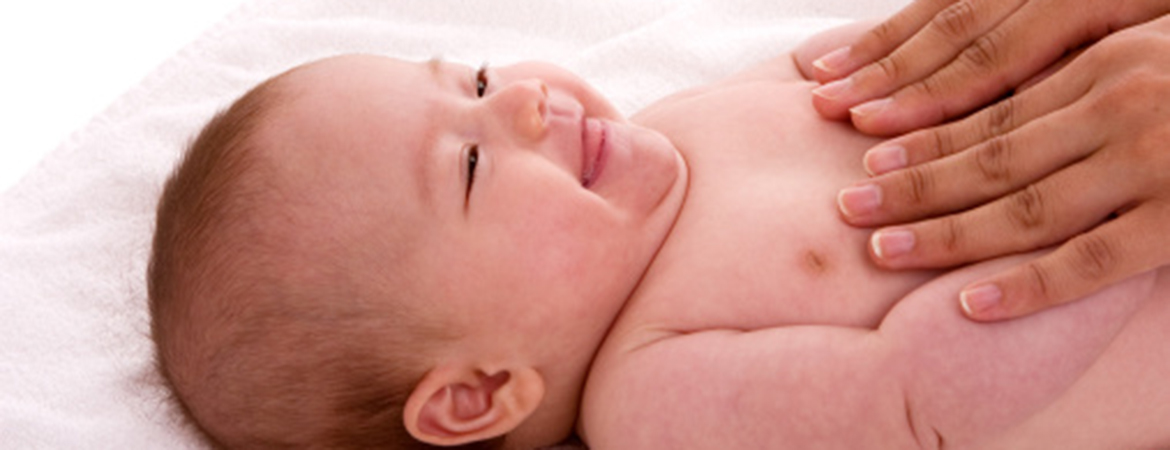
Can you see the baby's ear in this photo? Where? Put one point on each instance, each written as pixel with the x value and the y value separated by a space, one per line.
pixel 455 406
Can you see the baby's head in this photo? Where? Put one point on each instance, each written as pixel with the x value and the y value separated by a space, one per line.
pixel 368 252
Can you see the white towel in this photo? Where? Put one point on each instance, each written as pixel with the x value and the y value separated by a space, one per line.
pixel 75 355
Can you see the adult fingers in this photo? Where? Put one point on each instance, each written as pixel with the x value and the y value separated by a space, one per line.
pixel 1116 250
pixel 937 42
pixel 1053 93
pixel 879 41
pixel 991 153
pixel 984 172
pixel 1041 214
pixel 999 60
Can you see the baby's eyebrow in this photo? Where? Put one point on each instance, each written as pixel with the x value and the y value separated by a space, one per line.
pixel 424 160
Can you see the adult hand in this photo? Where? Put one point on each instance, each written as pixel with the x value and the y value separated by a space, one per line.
pixel 939 59
pixel 1080 158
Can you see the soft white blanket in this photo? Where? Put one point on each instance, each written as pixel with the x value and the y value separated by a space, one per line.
pixel 75 355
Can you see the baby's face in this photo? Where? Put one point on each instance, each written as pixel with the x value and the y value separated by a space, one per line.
pixel 536 207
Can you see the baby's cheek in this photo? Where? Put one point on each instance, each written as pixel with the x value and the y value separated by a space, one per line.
pixel 564 244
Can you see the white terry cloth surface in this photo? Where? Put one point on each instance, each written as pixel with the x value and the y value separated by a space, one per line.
pixel 75 355
pixel 62 69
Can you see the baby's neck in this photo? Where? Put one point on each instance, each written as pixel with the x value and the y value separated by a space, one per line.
pixel 556 418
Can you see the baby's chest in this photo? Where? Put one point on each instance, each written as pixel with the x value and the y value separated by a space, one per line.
pixel 759 242
pixel 763 254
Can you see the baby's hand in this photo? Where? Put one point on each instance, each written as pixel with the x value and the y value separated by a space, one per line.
pixel 1081 159
pixel 940 59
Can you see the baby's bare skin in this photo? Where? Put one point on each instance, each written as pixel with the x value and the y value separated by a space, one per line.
pixel 715 303
pixel 755 325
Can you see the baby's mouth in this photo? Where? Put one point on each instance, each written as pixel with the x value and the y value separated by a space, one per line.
pixel 594 139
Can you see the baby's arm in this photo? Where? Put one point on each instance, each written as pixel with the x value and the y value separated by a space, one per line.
pixel 927 375
pixel 966 380
pixel 800 387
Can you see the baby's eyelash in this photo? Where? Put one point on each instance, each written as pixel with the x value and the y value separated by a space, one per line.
pixel 472 161
pixel 481 80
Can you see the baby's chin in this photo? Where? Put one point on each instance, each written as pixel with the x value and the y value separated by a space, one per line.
pixel 647 177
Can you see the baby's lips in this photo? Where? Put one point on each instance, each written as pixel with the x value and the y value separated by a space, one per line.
pixel 584 143
pixel 593 141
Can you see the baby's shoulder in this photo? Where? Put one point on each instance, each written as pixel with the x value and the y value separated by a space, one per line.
pixel 781 69
pixel 740 90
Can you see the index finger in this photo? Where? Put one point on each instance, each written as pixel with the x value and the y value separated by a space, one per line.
pixel 879 41
pixel 930 48
pixel 1018 48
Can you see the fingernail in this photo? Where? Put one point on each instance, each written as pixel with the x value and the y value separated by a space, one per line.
pixel 835 61
pixel 893 243
pixel 860 200
pixel 980 300
pixel 834 90
pixel 885 158
pixel 871 108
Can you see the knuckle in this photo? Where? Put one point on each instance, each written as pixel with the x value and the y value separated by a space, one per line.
pixel 880 39
pixel 1106 52
pixel 957 21
pixel 944 142
pixel 983 54
pixel 1103 53
pixel 952 234
pixel 1026 208
pixel 934 90
pixel 920 184
pixel 1132 95
pixel 1094 257
pixel 930 87
pixel 1122 47
pixel 1001 118
pixel 992 160
pixel 1040 281
pixel 891 67
pixel 884 35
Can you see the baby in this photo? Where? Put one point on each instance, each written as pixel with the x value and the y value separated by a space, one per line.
pixel 365 252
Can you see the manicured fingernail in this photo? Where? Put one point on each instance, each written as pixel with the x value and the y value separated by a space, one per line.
pixel 836 61
pixel 885 158
pixel 834 90
pixel 892 243
pixel 871 108
pixel 857 201
pixel 980 301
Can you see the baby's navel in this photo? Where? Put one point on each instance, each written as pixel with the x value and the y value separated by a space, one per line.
pixel 815 262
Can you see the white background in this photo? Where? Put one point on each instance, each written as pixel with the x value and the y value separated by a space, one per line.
pixel 64 61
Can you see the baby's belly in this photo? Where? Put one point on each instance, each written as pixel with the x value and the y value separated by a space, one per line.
pixel 759 242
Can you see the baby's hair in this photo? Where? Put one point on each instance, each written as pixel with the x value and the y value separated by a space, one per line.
pixel 255 356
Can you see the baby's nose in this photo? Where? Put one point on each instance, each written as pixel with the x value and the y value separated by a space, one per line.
pixel 531 109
